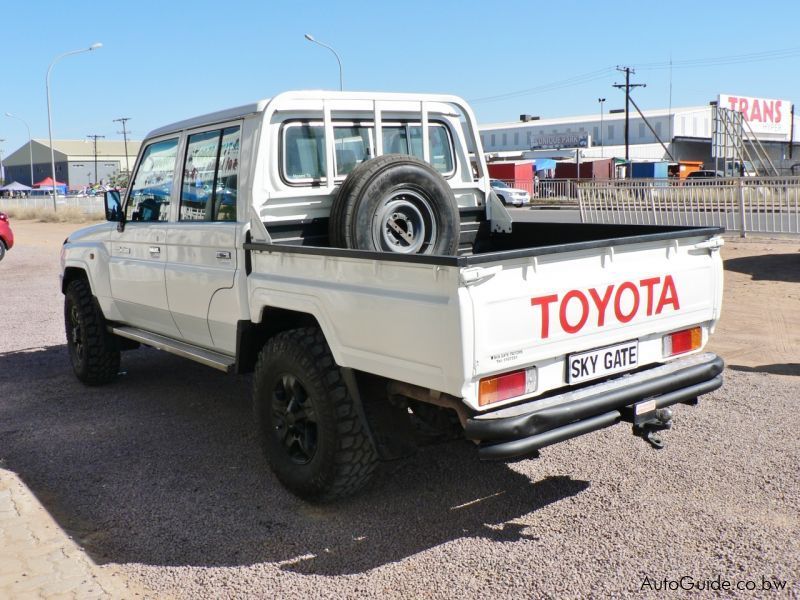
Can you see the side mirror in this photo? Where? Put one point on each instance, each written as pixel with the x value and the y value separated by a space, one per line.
pixel 114 210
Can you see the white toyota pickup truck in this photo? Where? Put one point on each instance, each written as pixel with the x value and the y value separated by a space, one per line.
pixel 346 248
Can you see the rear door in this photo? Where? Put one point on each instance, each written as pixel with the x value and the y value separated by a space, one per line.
pixel 201 246
pixel 138 253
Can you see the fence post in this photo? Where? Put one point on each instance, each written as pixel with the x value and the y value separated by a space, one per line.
pixel 743 228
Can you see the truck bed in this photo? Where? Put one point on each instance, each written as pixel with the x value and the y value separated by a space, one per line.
pixel 446 322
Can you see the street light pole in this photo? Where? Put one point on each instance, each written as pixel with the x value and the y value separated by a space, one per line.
pixel 94 46
pixel 310 38
pixel 30 141
pixel 602 151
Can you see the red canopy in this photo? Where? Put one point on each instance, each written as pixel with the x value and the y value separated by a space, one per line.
pixel 47 182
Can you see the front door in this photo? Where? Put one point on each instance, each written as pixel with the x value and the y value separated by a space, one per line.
pixel 139 253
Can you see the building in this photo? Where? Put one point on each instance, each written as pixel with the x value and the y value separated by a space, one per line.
pixel 686 133
pixel 75 161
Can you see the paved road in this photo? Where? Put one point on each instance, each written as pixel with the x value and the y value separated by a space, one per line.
pixel 159 479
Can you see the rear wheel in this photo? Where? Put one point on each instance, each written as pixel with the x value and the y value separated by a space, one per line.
pixel 313 435
pixel 92 350
pixel 2 249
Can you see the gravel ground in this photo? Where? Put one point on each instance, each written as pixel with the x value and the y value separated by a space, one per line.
pixel 160 475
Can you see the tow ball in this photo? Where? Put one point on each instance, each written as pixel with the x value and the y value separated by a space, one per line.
pixel 648 420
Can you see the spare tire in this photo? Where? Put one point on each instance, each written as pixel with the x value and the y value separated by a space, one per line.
pixel 395 203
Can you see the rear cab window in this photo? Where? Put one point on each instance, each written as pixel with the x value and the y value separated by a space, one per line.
pixel 303 148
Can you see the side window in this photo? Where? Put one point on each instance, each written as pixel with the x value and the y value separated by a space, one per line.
pixel 210 176
pixel 227 176
pixel 199 168
pixel 150 193
pixel 304 152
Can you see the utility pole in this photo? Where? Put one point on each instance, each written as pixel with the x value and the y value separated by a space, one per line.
pixel 627 85
pixel 95 137
pixel 601 101
pixel 124 133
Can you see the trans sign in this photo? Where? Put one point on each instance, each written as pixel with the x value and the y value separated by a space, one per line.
pixel 764 115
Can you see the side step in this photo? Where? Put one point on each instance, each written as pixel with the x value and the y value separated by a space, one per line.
pixel 206 357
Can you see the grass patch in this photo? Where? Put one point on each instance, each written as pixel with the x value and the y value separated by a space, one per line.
pixel 47 215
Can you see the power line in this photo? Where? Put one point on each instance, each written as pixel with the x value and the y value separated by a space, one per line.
pixel 734 59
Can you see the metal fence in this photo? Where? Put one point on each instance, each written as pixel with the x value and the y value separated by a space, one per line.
pixel 87 205
pixel 744 204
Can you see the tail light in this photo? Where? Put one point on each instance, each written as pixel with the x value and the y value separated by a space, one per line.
pixel 507 385
pixel 683 341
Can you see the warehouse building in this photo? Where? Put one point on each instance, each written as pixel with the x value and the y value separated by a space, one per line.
pixel 687 134
pixel 74 161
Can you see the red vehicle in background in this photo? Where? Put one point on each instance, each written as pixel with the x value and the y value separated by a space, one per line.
pixel 6 235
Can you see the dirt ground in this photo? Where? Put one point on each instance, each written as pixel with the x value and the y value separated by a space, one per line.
pixel 159 480
pixel 760 325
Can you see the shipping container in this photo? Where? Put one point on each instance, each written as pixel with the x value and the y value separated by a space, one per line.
pixel 649 170
pixel 594 169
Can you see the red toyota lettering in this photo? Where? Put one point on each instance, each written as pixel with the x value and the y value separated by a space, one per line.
pixel 562 313
pixel 622 317
pixel 627 301
pixel 668 295
pixel 601 303
pixel 545 302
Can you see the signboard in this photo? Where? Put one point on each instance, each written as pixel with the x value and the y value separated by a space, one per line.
pixel 560 140
pixel 764 115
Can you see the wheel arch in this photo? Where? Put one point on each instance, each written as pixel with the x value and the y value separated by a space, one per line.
pixel 73 272
pixel 251 336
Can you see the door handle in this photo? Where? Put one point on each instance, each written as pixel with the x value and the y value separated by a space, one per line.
pixel 123 250
pixel 223 254
pixel 155 250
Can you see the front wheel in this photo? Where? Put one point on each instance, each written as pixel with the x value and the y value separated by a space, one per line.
pixel 92 350
pixel 313 435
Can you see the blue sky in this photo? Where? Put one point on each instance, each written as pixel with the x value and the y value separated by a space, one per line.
pixel 163 61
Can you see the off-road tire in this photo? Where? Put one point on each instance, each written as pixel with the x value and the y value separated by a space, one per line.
pixel 344 457
pixel 93 351
pixel 359 208
pixel 2 249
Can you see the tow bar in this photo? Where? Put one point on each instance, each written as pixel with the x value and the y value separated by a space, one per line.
pixel 648 420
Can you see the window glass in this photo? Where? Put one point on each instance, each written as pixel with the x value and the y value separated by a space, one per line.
pixel 352 146
pixel 441 151
pixel 150 193
pixel 210 176
pixel 304 148
pixel 228 176
pixel 198 176
pixel 304 152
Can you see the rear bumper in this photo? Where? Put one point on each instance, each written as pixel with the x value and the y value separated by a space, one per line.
pixel 522 429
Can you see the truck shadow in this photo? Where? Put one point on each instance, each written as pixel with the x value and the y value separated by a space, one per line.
pixel 163 468
pixel 774 369
pixel 768 267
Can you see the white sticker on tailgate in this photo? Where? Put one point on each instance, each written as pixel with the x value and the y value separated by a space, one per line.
pixel 602 361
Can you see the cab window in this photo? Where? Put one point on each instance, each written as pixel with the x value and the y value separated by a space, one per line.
pixel 150 193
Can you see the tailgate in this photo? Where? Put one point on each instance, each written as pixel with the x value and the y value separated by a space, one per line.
pixel 537 311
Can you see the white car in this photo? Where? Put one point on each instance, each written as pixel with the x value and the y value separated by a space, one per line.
pixel 509 195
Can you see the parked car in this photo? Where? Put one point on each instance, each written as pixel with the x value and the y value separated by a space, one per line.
pixel 703 177
pixel 369 291
pixel 6 235
pixel 509 195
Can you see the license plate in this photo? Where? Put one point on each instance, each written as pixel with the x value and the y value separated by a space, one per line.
pixel 600 362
